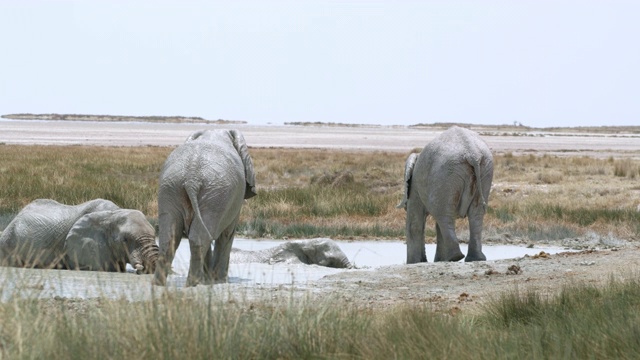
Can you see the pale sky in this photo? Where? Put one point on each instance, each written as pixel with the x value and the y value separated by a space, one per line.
pixel 541 63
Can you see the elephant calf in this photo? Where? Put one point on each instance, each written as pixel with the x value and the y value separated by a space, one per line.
pixel 451 178
pixel 95 235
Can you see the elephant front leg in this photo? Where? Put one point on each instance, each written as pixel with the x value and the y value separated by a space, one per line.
pixel 447 247
pixel 416 218
pixel 170 234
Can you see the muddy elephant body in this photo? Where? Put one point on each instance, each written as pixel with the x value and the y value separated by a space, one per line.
pixel 203 185
pixel 451 178
pixel 322 252
pixel 95 235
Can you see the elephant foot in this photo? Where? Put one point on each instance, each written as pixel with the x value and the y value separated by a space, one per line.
pixel 191 281
pixel 214 281
pixel 475 257
pixel 416 260
pixel 454 256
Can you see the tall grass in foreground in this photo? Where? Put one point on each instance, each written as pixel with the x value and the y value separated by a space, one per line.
pixel 580 322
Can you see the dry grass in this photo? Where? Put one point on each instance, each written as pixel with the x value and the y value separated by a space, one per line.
pixel 342 194
pixel 581 322
pixel 578 193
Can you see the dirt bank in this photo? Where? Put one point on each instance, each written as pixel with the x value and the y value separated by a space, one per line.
pixel 454 287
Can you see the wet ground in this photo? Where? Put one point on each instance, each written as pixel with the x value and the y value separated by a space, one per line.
pixel 367 256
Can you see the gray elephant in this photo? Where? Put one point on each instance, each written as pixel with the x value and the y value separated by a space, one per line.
pixel 95 235
pixel 451 178
pixel 323 252
pixel 203 185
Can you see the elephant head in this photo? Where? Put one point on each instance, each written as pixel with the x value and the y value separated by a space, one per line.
pixel 237 139
pixel 108 240
pixel 323 252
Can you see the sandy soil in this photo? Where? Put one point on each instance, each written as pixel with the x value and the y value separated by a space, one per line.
pixel 454 287
pixel 448 287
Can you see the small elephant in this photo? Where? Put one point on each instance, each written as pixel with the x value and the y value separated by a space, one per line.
pixel 450 179
pixel 108 240
pixel 323 252
pixel 203 185
pixel 95 235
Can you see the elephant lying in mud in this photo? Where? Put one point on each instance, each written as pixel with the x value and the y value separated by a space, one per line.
pixel 451 178
pixel 95 235
pixel 203 185
pixel 323 252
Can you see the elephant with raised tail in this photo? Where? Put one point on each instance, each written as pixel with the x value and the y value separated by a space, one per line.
pixel 95 235
pixel 203 185
pixel 451 178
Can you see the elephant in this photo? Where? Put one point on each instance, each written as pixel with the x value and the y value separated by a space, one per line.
pixel 202 187
pixel 96 235
pixel 323 252
pixel 451 178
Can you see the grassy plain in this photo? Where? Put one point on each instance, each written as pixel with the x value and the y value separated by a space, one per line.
pixel 305 193
pixel 341 194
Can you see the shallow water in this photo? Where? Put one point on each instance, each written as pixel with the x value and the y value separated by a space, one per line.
pixel 365 255
pixel 362 254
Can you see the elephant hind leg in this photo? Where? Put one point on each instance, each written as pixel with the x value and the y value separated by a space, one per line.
pixel 447 247
pixel 218 263
pixel 474 252
pixel 416 218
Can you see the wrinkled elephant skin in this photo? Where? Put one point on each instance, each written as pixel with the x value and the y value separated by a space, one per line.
pixel 203 185
pixel 323 252
pixel 451 178
pixel 95 235
pixel 108 240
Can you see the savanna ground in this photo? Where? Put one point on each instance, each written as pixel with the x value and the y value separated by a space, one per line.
pixel 539 197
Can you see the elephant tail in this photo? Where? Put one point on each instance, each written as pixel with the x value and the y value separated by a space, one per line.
pixel 478 174
pixel 249 173
pixel 408 172
pixel 197 221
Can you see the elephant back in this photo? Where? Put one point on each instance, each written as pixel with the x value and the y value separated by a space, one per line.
pixel 225 144
pixel 36 236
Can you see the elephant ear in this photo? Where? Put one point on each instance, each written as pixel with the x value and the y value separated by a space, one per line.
pixel 408 172
pixel 87 244
pixel 249 173
pixel 195 135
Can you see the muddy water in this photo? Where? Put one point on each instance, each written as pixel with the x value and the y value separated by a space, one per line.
pixel 365 255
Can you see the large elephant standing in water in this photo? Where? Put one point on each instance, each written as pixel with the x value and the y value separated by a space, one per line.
pixel 203 185
pixel 95 235
pixel 451 178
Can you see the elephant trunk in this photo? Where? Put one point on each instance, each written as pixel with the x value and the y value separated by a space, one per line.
pixel 339 262
pixel 144 257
